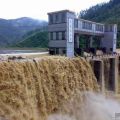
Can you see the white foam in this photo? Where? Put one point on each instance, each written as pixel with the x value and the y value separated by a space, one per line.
pixel 95 107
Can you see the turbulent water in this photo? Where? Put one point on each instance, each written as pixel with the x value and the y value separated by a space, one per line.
pixel 53 88
pixel 35 89
pixel 92 107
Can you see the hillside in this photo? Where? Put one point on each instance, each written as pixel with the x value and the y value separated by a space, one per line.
pixel 105 13
pixel 36 38
pixel 11 31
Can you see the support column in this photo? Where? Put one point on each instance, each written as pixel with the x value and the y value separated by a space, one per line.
pixel 115 62
pixel 99 73
pixel 102 78
pixel 91 41
pixel 70 36
pixel 114 74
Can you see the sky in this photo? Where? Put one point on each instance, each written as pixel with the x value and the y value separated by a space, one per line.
pixel 11 9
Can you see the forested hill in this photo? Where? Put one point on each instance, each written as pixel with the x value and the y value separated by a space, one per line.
pixel 12 30
pixel 35 38
pixel 105 13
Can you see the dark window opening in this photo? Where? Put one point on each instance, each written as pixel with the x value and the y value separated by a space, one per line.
pixel 64 51
pixel 57 18
pixel 87 25
pixel 57 35
pixel 99 28
pixel 57 50
pixel 111 49
pixel 76 23
pixel 51 35
pixel 63 35
pixel 60 35
pixel 63 17
pixel 54 35
pixel 51 19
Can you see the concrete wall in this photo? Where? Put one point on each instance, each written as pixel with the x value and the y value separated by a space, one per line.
pixel 109 39
pixel 107 73
pixel 57 27
pixel 57 43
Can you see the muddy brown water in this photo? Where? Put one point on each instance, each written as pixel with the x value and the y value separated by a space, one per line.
pixel 35 89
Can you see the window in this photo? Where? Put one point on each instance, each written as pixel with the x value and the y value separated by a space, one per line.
pixel 51 19
pixel 87 25
pixel 57 50
pixel 54 35
pixel 99 28
pixel 63 17
pixel 60 35
pixel 90 26
pixel 57 35
pixel 76 23
pixel 63 35
pixel 51 35
pixel 64 51
pixel 56 17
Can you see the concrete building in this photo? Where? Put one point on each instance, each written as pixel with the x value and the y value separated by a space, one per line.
pixel 65 30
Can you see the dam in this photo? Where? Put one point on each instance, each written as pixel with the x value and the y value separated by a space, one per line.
pixel 65 30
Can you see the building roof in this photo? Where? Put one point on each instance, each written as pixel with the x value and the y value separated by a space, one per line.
pixel 61 11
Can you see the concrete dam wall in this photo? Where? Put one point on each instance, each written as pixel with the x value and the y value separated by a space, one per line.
pixel 34 89
pixel 107 72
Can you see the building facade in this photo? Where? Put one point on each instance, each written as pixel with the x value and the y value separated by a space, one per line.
pixel 65 30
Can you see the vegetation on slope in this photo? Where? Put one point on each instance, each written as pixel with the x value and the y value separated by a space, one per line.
pixel 11 31
pixel 35 39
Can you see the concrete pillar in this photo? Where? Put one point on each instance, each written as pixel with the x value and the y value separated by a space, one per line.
pixel 115 62
pixel 102 79
pixel 114 73
pixel 70 37
pixel 99 73
pixel 91 41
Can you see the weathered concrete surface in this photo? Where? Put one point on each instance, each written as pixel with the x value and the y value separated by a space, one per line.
pixel 107 70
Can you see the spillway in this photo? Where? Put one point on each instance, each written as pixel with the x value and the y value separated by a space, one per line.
pixel 35 89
